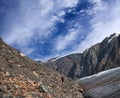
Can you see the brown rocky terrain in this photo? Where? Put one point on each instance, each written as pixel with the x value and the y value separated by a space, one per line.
pixel 21 77
pixel 100 57
pixel 105 84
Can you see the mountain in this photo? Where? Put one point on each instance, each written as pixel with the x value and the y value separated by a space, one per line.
pixel 105 84
pixel 100 57
pixel 21 77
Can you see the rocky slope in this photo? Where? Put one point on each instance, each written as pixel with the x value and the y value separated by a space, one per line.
pixel 21 77
pixel 100 57
pixel 105 84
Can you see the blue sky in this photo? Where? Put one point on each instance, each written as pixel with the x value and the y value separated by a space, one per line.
pixel 43 29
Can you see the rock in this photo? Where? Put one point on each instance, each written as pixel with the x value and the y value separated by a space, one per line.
pixel 7 74
pixel 21 54
pixel 62 79
pixel 48 96
pixel 35 73
pixel 9 95
pixel 1 96
pixel 43 88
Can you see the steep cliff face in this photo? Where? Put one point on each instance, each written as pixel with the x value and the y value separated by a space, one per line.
pixel 105 84
pixel 65 66
pixel 100 57
pixel 21 77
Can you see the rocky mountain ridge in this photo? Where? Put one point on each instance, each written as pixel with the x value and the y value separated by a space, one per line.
pixel 21 77
pixel 100 57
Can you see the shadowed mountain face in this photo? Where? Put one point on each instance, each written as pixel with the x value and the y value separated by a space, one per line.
pixel 100 57
pixel 21 77
pixel 105 84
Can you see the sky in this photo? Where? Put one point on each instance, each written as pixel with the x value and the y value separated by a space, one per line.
pixel 44 29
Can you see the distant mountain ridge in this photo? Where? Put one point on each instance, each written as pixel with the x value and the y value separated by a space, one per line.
pixel 100 57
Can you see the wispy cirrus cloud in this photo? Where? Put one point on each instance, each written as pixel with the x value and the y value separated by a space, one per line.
pixel 32 19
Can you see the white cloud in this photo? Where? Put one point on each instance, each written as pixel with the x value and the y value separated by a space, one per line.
pixel 34 17
pixel 37 18
pixel 63 41
pixel 61 13
pixel 95 1
pixel 66 3
pixel 99 5
pixel 105 22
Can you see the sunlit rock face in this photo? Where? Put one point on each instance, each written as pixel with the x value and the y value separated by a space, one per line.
pixel 100 57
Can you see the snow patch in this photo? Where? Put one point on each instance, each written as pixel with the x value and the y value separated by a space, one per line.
pixel 54 59
pixel 113 36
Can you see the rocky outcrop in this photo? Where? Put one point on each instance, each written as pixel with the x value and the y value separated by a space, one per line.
pixel 21 77
pixel 100 57
pixel 105 84
pixel 68 65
